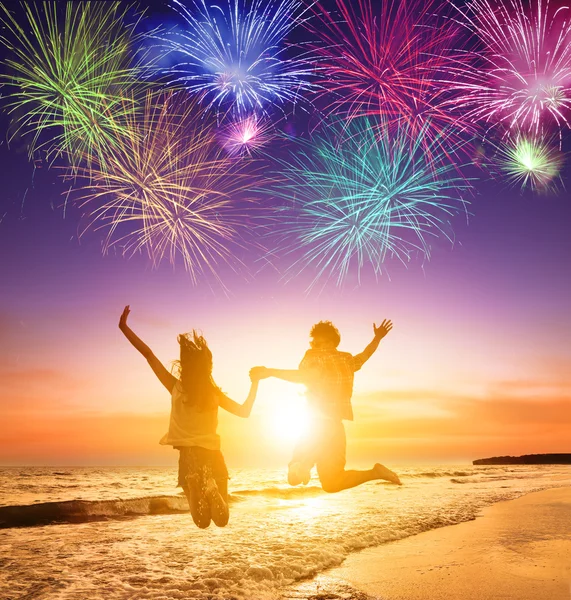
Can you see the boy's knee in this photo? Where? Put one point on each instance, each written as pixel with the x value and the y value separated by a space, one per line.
pixel 330 478
pixel 329 485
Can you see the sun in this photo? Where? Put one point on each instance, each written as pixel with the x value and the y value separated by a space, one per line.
pixel 284 410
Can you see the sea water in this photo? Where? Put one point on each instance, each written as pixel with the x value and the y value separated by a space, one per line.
pixel 89 533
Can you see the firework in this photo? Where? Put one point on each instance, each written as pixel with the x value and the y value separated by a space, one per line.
pixel 69 67
pixel 522 73
pixel 234 55
pixel 359 195
pixel 167 190
pixel 245 136
pixel 530 161
pixel 387 59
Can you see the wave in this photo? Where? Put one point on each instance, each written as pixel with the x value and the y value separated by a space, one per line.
pixel 434 474
pixel 82 511
pixel 282 493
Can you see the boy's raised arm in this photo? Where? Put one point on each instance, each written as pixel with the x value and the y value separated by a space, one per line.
pixel 380 332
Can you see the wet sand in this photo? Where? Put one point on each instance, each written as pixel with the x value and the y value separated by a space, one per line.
pixel 516 550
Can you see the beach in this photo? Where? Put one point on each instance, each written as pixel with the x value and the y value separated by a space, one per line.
pixel 514 550
pixel 124 533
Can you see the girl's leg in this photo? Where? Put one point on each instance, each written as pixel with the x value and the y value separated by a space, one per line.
pixel 197 501
pixel 217 493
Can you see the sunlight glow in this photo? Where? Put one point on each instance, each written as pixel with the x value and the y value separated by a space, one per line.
pixel 285 417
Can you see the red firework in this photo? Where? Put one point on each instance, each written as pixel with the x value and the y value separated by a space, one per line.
pixel 520 80
pixel 388 59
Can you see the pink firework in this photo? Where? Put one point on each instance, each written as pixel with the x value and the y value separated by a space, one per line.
pixel 388 59
pixel 245 135
pixel 523 75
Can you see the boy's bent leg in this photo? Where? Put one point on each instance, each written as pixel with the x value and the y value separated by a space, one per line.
pixel 386 474
pixel 335 481
pixel 331 466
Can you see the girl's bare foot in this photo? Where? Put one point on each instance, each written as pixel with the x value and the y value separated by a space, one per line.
pixel 383 473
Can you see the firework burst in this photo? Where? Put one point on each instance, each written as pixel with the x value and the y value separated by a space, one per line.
pixel 359 195
pixel 69 67
pixel 387 59
pixel 530 161
pixel 245 136
pixel 167 190
pixel 522 69
pixel 234 55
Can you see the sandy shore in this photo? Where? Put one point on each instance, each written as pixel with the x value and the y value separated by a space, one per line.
pixel 516 550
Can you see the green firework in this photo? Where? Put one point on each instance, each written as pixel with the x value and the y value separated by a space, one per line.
pixel 530 161
pixel 68 67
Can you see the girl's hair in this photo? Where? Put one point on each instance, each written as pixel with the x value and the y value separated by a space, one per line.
pixel 195 371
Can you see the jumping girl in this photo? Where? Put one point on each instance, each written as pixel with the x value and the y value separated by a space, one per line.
pixel 202 472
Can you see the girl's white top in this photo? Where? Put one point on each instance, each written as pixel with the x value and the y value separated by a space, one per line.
pixel 189 426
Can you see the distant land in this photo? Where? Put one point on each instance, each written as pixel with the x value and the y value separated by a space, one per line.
pixel 526 459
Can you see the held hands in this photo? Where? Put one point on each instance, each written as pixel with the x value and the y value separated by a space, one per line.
pixel 383 328
pixel 123 318
pixel 257 373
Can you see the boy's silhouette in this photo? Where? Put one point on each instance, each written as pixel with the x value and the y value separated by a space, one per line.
pixel 328 376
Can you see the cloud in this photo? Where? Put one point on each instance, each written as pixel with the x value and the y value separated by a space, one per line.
pixel 512 418
pixel 429 425
pixel 38 389
pixel 84 438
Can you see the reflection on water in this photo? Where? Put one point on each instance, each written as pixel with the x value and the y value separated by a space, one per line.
pixel 276 534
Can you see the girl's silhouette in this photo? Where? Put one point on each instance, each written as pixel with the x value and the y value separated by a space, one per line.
pixel 202 472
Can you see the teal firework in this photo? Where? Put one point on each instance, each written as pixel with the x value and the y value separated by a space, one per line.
pixel 357 196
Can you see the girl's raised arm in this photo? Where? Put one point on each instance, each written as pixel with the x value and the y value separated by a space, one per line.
pixel 159 369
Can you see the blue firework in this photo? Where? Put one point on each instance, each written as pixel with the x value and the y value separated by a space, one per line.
pixel 235 55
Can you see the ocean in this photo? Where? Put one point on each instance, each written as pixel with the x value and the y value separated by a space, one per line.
pixel 123 532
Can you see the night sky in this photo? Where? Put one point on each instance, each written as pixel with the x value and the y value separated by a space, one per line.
pixel 478 363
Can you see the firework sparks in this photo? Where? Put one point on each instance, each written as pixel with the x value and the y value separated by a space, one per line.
pixel 234 55
pixel 360 195
pixel 386 59
pixel 245 136
pixel 167 190
pixel 530 161
pixel 523 79
pixel 69 67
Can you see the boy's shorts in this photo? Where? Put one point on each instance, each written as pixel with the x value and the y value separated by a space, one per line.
pixel 194 460
pixel 324 445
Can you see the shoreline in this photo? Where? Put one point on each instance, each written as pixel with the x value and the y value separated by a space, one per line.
pixel 514 550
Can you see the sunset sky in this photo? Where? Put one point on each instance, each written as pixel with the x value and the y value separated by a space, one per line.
pixel 478 362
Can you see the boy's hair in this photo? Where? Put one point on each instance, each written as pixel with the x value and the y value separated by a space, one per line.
pixel 326 330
